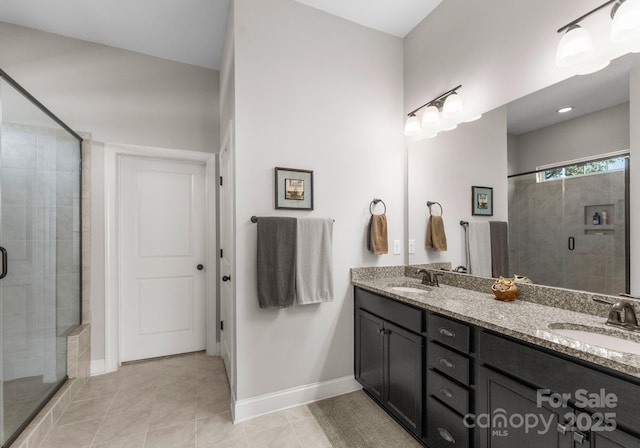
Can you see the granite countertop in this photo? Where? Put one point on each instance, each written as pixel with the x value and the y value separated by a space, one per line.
pixel 523 320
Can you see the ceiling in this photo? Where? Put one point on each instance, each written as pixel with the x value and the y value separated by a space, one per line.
pixel 189 31
pixel 590 93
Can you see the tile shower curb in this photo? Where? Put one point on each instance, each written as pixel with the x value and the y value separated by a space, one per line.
pixel 78 360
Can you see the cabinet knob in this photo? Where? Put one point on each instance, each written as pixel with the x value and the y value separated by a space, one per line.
pixel 447 333
pixel 446 435
pixel 226 278
pixel 200 267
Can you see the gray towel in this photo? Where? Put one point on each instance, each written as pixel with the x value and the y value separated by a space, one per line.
pixel 314 261
pixel 276 262
pixel 479 249
pixel 499 248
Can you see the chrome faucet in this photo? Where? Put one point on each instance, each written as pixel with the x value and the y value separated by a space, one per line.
pixel 429 278
pixel 622 314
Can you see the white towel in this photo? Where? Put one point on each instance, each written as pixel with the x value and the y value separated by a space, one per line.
pixel 314 261
pixel 479 249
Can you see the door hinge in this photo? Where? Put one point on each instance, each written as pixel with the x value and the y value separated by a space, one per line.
pixel 221 325
pixel 221 181
pixel 221 254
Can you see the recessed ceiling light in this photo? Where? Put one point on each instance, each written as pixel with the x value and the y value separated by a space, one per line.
pixel 564 110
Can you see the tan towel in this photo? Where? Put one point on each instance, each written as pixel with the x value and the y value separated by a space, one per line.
pixel 436 238
pixel 377 237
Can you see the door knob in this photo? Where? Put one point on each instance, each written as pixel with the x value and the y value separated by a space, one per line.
pixel 200 267
pixel 226 278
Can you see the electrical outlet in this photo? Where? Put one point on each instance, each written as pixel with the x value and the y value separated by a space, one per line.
pixel 412 246
pixel 396 247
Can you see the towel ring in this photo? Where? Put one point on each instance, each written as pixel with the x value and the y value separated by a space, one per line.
pixel 374 203
pixel 430 203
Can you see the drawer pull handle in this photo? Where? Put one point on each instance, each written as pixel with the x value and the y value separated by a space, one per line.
pixel 446 392
pixel 447 333
pixel 446 435
pixel 579 437
pixel 562 429
pixel 448 364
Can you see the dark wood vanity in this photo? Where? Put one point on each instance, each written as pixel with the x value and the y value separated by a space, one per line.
pixel 453 384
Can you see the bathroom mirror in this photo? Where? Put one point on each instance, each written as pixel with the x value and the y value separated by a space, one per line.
pixel 577 165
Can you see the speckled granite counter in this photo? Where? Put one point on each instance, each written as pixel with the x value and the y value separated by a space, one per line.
pixel 523 320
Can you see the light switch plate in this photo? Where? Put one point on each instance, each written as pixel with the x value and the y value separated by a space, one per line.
pixel 396 247
pixel 412 246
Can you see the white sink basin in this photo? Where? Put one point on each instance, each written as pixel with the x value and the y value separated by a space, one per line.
pixel 406 289
pixel 617 344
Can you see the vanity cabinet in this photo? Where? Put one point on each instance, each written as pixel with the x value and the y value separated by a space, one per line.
pixel 388 356
pixel 449 382
pixel 515 379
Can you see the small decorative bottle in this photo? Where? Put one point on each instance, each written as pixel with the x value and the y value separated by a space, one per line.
pixel 596 219
pixel 605 217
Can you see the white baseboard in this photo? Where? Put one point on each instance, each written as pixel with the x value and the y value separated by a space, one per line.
pixel 98 367
pixel 277 401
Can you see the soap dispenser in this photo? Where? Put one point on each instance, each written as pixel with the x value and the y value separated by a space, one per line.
pixel 596 219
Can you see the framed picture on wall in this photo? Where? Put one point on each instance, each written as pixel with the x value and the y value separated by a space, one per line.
pixel 482 201
pixel 294 189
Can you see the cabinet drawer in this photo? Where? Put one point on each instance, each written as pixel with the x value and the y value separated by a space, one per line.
pixel 448 392
pixel 400 314
pixel 445 428
pixel 449 332
pixel 450 363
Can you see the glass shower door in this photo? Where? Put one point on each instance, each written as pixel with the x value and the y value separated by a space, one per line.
pixel 568 226
pixel 40 231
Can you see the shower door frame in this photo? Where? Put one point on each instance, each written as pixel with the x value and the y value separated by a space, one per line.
pixel 46 398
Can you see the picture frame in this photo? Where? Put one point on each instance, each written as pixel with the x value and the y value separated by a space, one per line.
pixel 294 189
pixel 481 201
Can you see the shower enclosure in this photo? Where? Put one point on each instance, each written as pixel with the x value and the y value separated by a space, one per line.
pixel 569 225
pixel 40 248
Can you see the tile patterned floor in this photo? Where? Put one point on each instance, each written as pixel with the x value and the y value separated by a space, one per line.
pixel 175 402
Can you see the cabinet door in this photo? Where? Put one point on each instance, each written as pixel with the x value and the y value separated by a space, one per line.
pixel 614 439
pixel 369 353
pixel 508 405
pixel 404 376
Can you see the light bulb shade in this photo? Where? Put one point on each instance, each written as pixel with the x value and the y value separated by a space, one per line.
pixel 412 126
pixel 453 107
pixel 575 47
pixel 626 22
pixel 431 117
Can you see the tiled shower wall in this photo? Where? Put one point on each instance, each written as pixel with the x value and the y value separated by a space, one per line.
pixel 542 216
pixel 41 231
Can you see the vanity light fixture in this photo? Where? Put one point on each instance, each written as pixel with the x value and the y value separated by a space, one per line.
pixel 576 48
pixel 564 110
pixel 440 114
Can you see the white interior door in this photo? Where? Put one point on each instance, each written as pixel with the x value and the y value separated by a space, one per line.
pixel 227 307
pixel 162 252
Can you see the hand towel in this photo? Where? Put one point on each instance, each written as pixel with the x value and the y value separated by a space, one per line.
pixel 479 249
pixel 436 238
pixel 314 261
pixel 499 248
pixel 276 261
pixel 377 238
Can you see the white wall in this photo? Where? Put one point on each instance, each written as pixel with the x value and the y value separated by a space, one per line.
pixel 117 95
pixel 590 135
pixel 315 92
pixel 443 169
pixel 499 50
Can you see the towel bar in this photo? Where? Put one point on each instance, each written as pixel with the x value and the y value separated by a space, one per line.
pixel 254 219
